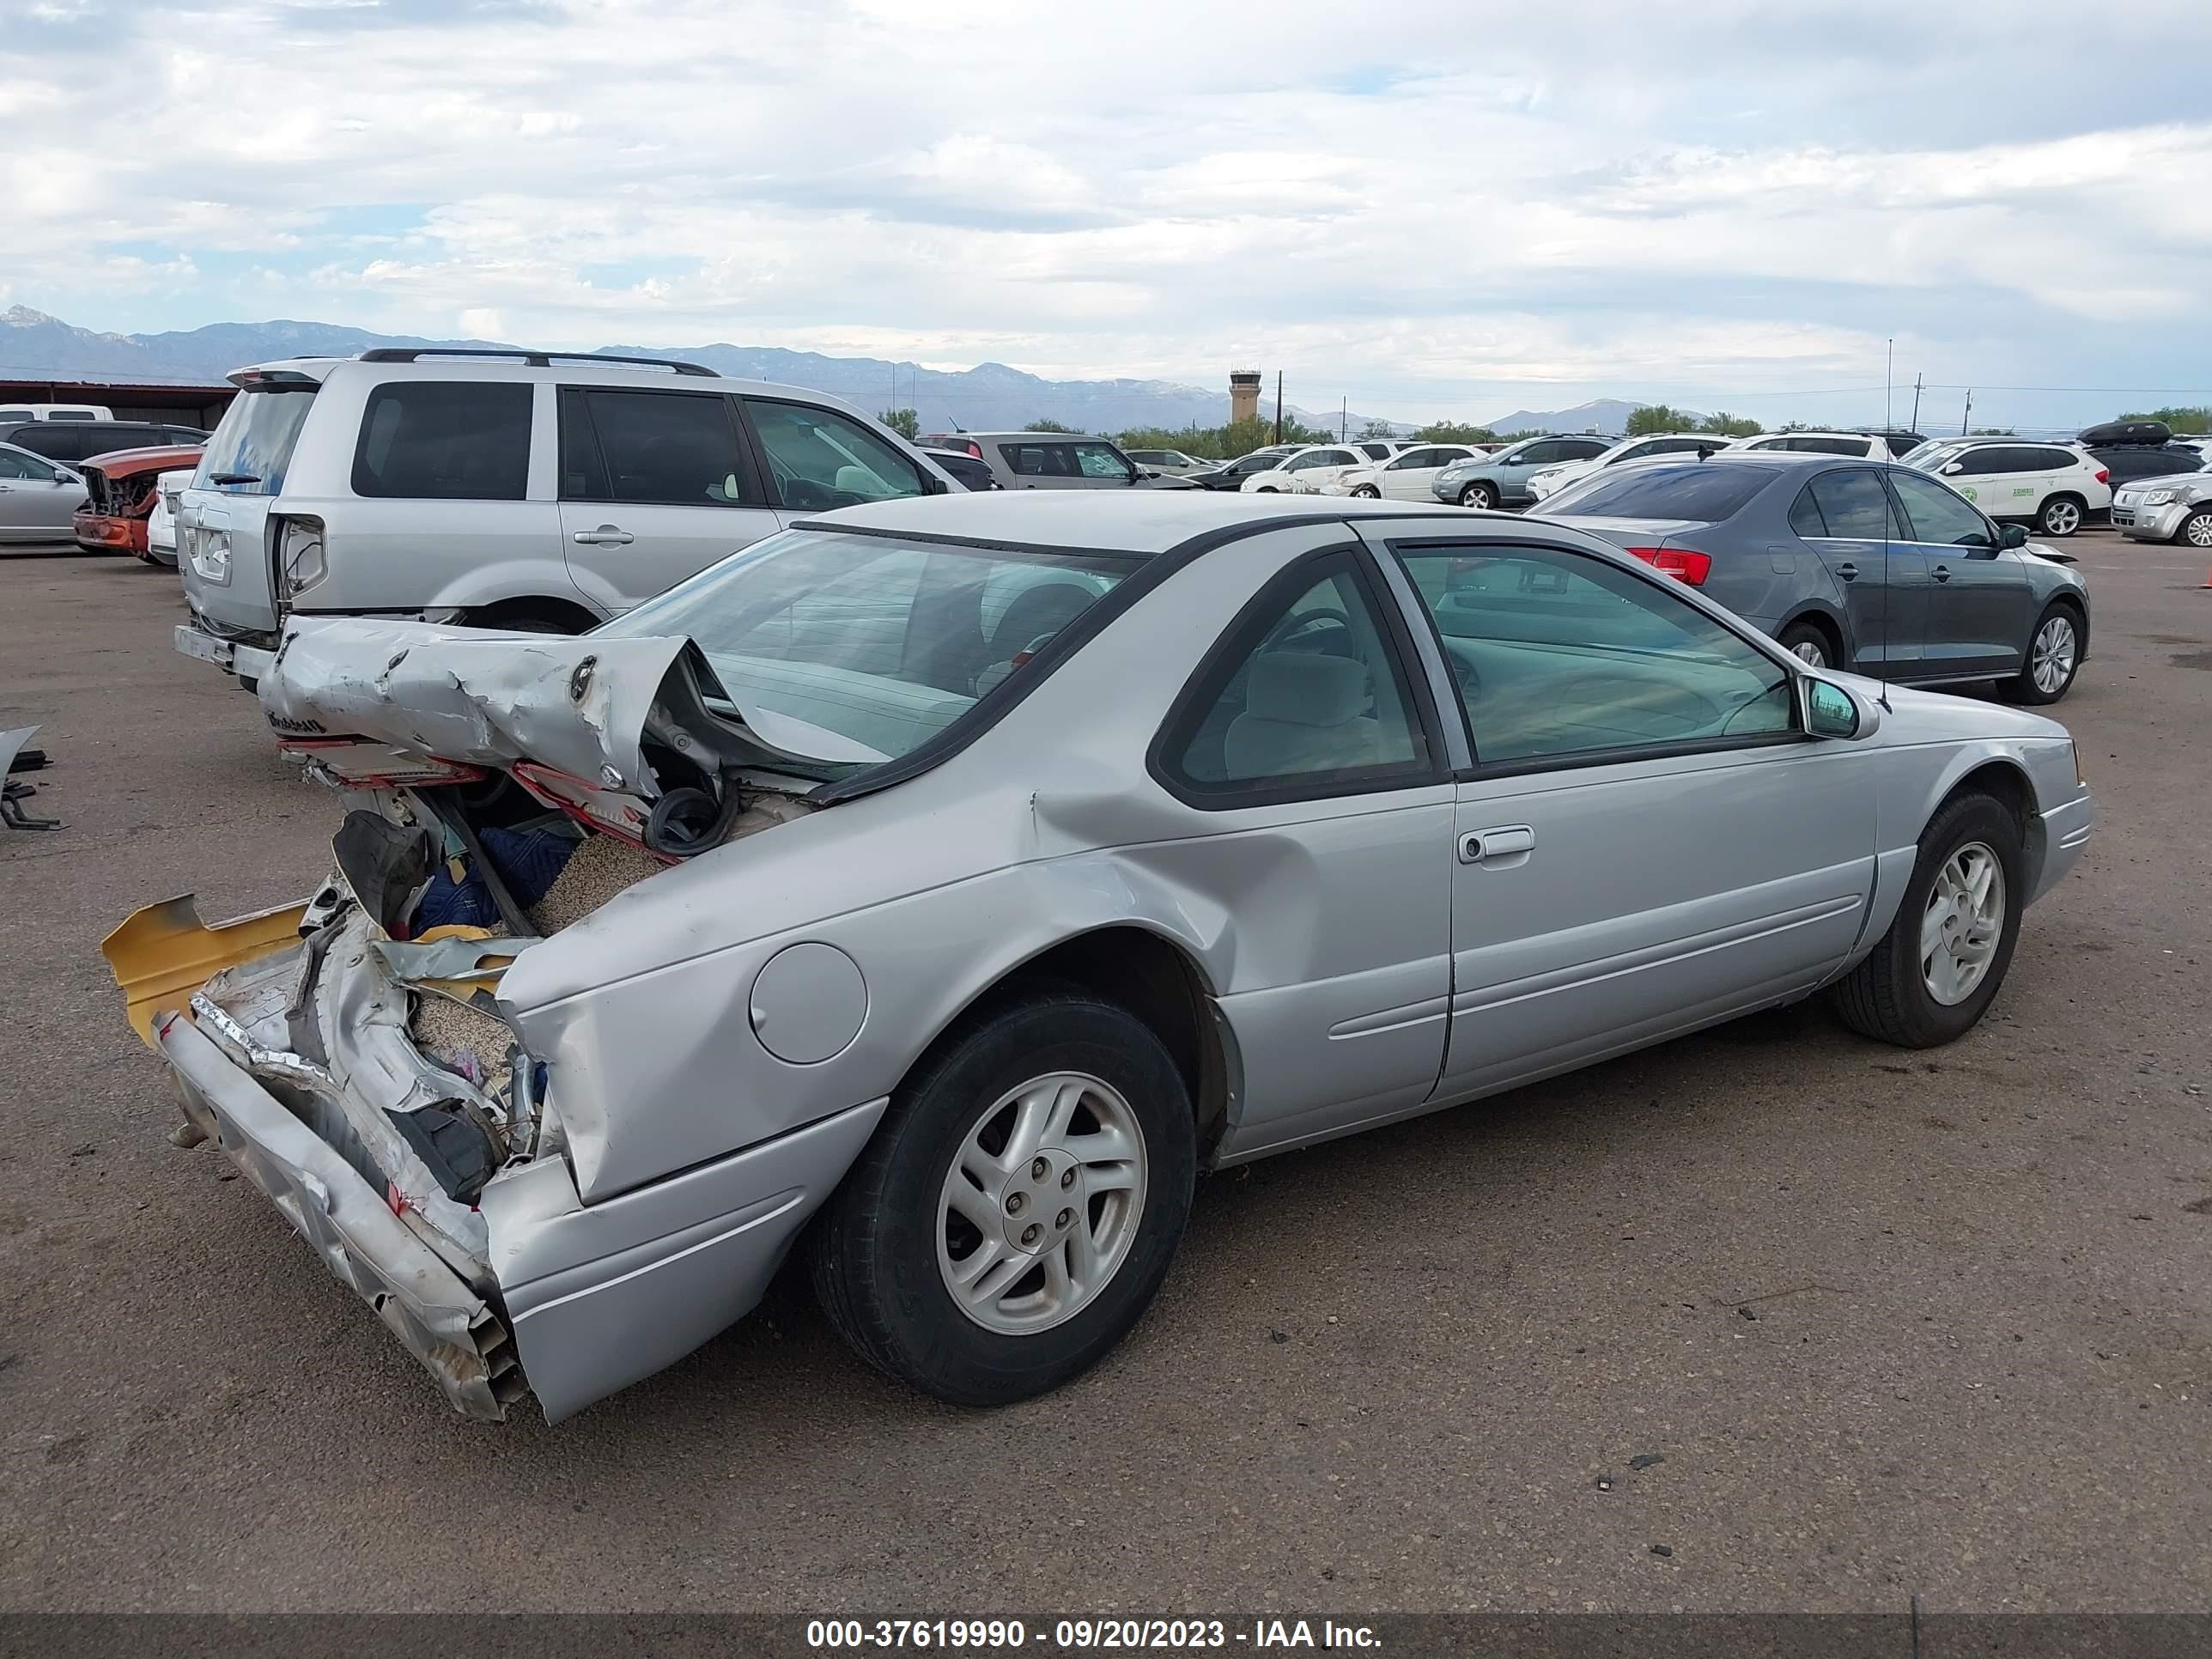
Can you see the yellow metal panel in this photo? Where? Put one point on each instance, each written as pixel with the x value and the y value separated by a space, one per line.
pixel 165 952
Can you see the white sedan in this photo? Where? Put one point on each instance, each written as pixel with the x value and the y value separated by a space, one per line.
pixel 1405 477
pixel 1649 448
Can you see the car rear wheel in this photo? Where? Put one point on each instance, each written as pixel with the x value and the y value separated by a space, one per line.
pixel 2054 656
pixel 2061 516
pixel 1808 644
pixel 1018 1207
pixel 1940 965
pixel 1367 492
pixel 1478 495
pixel 2197 528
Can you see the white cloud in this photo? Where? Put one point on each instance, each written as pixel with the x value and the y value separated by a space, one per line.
pixel 1746 201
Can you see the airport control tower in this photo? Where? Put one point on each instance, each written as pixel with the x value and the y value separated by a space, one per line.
pixel 1243 394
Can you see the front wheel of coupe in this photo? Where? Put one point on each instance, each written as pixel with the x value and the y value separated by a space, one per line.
pixel 1015 1211
pixel 1938 967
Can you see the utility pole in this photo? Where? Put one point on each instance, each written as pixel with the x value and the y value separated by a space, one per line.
pixel 1278 405
pixel 1915 425
pixel 1343 420
pixel 1965 413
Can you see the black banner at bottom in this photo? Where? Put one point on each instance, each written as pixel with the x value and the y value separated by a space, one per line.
pixel 740 1635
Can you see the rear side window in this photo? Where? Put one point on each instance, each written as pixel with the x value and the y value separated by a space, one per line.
pixel 665 448
pixel 1853 505
pixel 445 441
pixel 1857 448
pixel 1666 491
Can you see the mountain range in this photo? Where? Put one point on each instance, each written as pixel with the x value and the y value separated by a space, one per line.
pixel 989 396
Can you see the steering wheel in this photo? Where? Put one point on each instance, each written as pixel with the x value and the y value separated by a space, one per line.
pixel 1304 622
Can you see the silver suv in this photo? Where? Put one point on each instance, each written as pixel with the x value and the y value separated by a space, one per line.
pixel 504 489
pixel 1060 461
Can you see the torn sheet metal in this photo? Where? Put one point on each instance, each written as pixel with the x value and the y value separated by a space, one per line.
pixel 163 953
pixel 456 957
pixel 578 705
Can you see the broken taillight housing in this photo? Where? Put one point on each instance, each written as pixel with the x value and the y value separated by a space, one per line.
pixel 299 562
pixel 1678 562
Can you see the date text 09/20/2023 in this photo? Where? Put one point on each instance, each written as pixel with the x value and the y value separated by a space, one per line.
pixel 1005 1635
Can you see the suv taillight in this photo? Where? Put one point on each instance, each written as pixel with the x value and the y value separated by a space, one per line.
pixel 299 552
pixel 2104 475
pixel 1678 562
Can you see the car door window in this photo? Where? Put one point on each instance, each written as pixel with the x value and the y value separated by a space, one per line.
pixel 1099 461
pixel 444 441
pixel 1976 462
pixel 818 459
pixel 1853 504
pixel 1937 514
pixel 1305 696
pixel 668 448
pixel 1412 458
pixel 1562 657
pixel 1039 460
pixel 1579 449
pixel 21 466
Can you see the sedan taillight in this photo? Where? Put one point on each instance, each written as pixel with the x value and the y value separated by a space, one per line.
pixel 1678 562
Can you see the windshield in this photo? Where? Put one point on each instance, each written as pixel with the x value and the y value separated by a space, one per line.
pixel 882 642
pixel 1699 490
pixel 252 444
pixel 1930 456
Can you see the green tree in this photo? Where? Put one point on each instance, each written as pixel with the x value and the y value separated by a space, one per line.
pixel 1377 429
pixel 1515 437
pixel 1728 426
pixel 1455 431
pixel 1049 426
pixel 1658 418
pixel 1995 432
pixel 2194 420
pixel 904 422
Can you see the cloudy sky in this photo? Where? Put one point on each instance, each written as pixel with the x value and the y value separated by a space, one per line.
pixel 1431 210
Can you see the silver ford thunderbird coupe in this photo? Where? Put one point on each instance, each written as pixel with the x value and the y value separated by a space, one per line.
pixel 938 886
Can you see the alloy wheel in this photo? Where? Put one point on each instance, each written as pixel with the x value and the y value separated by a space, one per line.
pixel 1963 922
pixel 1042 1203
pixel 1809 652
pixel 2061 519
pixel 2198 529
pixel 2051 659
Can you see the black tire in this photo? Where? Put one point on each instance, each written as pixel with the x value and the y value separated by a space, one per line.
pixel 2196 530
pixel 2061 515
pixel 874 1248
pixel 1367 493
pixel 1885 997
pixel 1800 636
pixel 1479 495
pixel 2022 687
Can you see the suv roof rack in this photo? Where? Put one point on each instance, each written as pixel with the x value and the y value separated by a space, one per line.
pixel 531 359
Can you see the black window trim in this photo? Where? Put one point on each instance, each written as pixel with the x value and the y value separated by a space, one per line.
pixel 1480 771
pixel 752 480
pixel 1203 689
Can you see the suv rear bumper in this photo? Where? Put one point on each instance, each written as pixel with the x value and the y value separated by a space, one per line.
pixel 231 656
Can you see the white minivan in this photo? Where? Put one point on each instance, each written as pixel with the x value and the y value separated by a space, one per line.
pixel 510 489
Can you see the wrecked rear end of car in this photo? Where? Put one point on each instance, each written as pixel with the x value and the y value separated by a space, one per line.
pixel 353 1055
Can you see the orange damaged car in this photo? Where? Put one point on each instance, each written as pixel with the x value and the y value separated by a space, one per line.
pixel 121 487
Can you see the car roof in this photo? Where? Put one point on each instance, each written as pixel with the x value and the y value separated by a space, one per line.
pixel 1140 522
pixel 582 370
pixel 1088 437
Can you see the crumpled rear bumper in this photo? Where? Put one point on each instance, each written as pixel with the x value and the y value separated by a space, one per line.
pixel 430 1308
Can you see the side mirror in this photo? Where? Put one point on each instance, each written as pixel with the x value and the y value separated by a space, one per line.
pixel 2013 535
pixel 1950 467
pixel 1833 712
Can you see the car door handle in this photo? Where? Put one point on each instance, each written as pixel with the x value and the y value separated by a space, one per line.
pixel 1849 572
pixel 1942 573
pixel 606 536
pixel 1494 846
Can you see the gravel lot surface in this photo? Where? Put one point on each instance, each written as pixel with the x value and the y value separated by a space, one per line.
pixel 1835 1324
